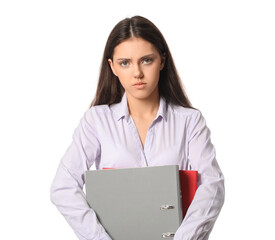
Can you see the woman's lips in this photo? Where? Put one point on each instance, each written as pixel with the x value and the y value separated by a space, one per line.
pixel 139 85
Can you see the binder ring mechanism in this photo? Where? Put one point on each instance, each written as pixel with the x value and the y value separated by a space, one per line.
pixel 166 207
pixel 168 235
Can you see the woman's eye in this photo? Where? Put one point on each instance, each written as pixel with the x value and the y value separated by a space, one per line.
pixel 124 63
pixel 147 60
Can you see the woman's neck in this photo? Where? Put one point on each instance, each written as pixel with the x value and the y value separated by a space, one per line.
pixel 143 108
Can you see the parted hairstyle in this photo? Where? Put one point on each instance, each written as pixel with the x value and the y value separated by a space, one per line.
pixel 109 88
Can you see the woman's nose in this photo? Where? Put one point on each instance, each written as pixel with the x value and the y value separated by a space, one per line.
pixel 138 71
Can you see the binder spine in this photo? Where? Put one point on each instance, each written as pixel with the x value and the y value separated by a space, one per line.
pixel 179 195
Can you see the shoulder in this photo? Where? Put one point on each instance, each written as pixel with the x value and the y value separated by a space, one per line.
pixel 99 109
pixel 96 113
pixel 184 112
pixel 190 118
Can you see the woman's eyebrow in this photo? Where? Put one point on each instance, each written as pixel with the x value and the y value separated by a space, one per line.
pixel 145 56
pixel 148 55
pixel 123 59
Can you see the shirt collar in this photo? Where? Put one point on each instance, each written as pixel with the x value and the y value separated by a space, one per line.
pixel 162 109
pixel 121 110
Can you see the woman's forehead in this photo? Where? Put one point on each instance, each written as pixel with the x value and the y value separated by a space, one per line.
pixel 134 47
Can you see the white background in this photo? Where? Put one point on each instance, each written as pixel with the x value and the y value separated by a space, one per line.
pixel 50 53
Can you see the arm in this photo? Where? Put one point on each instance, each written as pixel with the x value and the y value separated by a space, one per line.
pixel 67 187
pixel 209 198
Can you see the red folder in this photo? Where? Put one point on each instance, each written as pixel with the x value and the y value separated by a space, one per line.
pixel 188 182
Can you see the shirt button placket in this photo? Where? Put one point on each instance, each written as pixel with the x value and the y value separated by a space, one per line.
pixel 147 146
pixel 142 160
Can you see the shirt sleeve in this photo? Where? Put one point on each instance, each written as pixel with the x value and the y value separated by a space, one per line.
pixel 209 197
pixel 67 187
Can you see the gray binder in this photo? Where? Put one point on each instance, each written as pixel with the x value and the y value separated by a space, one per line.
pixel 136 203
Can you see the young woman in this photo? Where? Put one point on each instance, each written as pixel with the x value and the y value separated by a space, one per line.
pixel 139 117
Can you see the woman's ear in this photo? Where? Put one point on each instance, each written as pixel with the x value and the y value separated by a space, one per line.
pixel 162 64
pixel 112 66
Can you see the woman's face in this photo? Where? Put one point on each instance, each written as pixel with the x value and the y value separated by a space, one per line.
pixel 137 64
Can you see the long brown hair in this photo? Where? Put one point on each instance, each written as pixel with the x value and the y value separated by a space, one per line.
pixel 109 88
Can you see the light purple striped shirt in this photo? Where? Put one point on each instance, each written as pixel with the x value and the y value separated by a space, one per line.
pixel 107 137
